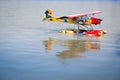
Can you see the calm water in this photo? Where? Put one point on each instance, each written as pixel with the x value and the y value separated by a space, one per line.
pixel 34 50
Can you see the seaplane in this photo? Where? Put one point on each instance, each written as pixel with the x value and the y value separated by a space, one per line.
pixel 84 22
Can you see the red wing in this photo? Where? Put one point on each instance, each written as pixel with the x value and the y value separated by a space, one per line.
pixel 96 12
pixel 81 15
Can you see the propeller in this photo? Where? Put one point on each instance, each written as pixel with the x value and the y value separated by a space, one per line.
pixel 101 19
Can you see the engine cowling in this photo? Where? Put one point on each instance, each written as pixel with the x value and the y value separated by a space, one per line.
pixel 96 20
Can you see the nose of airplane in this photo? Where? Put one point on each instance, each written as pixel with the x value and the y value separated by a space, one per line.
pixel 100 20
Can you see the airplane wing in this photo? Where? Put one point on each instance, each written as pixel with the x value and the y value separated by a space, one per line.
pixel 81 15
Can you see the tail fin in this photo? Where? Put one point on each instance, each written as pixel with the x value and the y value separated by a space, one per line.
pixel 47 14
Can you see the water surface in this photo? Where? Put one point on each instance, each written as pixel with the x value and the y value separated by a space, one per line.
pixel 34 50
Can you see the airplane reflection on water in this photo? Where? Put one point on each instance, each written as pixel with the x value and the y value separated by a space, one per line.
pixel 75 47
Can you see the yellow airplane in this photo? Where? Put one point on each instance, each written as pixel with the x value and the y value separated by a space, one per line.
pixel 84 21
